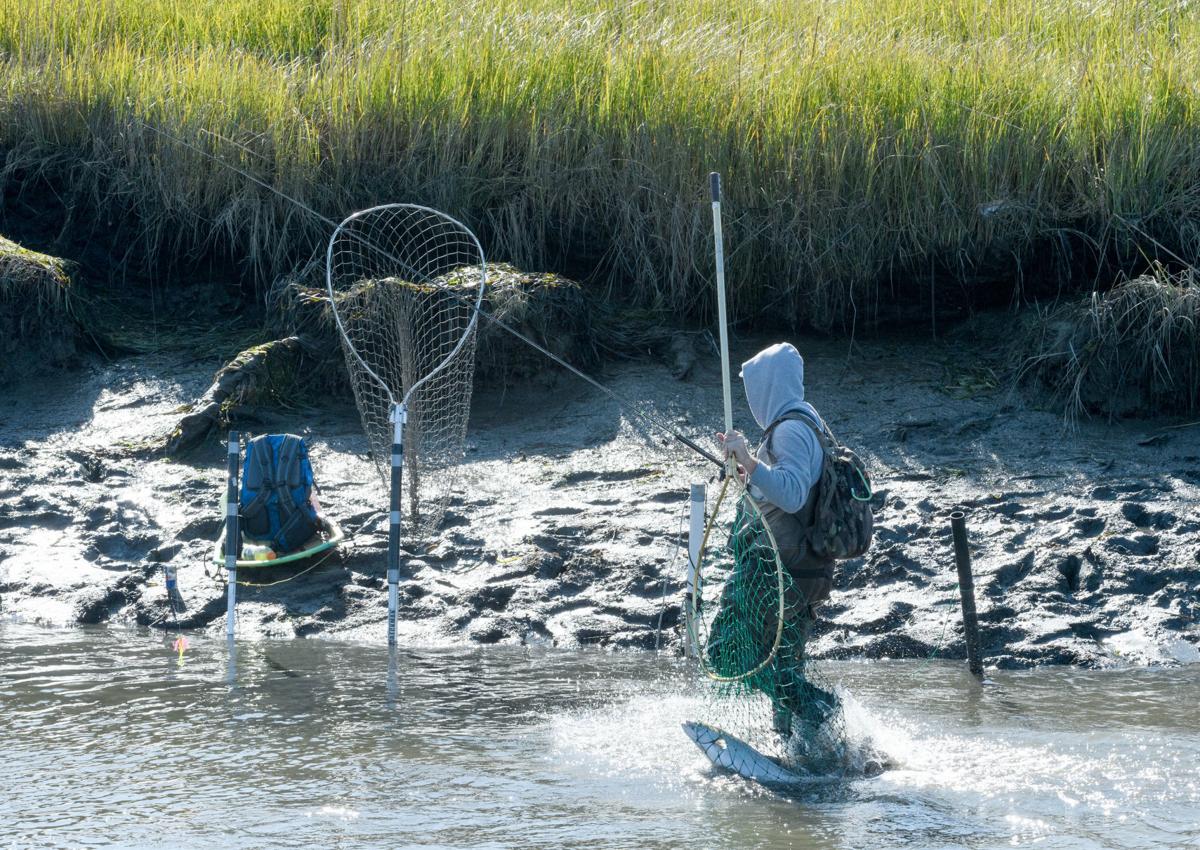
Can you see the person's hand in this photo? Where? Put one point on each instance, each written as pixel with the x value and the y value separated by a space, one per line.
pixel 735 446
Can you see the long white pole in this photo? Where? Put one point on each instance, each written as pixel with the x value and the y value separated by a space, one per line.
pixel 718 241
pixel 233 543
pixel 399 417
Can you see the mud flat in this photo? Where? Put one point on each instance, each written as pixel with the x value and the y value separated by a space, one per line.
pixel 569 527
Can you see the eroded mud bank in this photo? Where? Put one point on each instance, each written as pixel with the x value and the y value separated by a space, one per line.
pixel 569 528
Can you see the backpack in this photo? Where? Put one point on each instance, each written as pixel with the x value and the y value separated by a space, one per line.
pixel 842 523
pixel 276 495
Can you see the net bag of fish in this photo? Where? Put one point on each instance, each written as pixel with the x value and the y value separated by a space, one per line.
pixel 752 621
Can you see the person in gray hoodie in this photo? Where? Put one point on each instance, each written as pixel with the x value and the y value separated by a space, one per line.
pixel 783 475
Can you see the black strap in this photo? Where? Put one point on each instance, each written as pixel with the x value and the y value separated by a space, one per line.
pixel 261 465
pixel 820 429
pixel 288 538
pixel 283 476
pixel 292 471
pixel 812 572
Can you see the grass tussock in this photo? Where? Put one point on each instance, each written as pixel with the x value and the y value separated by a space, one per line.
pixel 1132 350
pixel 39 279
pixel 865 145
pixel 37 319
pixel 555 312
pixel 263 376
pixel 550 309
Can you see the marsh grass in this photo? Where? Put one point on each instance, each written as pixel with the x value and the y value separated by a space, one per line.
pixel 873 152
pixel 1132 350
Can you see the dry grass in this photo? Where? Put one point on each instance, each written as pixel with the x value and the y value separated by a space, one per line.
pixel 866 145
pixel 1132 350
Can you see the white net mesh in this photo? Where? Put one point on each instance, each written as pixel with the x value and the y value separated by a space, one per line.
pixel 405 283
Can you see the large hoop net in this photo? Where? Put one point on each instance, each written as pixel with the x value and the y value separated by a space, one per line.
pixel 405 284
pixel 751 621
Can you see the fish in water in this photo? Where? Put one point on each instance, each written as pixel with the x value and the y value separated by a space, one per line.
pixel 726 751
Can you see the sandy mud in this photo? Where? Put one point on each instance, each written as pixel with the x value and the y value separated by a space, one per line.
pixel 569 528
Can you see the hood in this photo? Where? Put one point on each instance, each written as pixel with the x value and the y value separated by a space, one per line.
pixel 774 381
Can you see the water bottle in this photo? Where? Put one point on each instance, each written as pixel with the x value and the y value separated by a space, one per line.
pixel 257 552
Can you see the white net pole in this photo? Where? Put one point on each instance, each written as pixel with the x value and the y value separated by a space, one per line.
pixel 399 415
pixel 233 537
pixel 722 322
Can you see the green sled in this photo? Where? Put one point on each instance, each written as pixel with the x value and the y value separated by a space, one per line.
pixel 328 537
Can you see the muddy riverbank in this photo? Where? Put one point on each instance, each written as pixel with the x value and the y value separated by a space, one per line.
pixel 569 529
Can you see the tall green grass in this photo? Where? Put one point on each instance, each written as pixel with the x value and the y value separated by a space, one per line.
pixel 865 144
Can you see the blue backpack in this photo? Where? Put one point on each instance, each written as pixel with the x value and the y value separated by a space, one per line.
pixel 276 497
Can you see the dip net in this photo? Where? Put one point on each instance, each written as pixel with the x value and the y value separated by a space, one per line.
pixel 750 625
pixel 405 284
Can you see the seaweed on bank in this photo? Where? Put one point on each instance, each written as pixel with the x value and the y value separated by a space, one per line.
pixel 306 363
pixel 1134 350
pixel 549 309
pixel 258 377
pixel 37 311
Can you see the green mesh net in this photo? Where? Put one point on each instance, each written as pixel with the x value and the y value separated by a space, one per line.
pixel 752 620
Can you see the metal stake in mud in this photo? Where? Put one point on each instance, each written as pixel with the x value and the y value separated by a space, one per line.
pixel 399 417
pixel 233 542
pixel 966 587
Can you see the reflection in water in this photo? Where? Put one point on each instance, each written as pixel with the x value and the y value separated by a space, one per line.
pixel 106 736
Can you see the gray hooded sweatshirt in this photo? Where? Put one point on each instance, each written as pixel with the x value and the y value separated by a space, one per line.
pixel 774 381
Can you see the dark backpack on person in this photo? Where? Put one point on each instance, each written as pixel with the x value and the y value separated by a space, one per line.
pixel 842 522
pixel 276 497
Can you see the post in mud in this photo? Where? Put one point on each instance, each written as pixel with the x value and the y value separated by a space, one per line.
pixel 233 542
pixel 695 538
pixel 399 417
pixel 966 589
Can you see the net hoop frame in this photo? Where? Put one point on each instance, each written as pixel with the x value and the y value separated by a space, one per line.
pixel 475 308
pixel 697 587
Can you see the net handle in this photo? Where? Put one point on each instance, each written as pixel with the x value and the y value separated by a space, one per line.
pixel 722 319
pixel 333 300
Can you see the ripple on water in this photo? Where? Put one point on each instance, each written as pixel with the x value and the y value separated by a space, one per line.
pixel 106 737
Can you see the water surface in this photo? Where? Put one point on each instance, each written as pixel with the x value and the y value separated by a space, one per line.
pixel 108 739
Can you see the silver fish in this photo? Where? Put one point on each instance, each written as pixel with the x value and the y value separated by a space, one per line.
pixel 731 753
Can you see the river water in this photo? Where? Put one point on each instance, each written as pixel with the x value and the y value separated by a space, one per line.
pixel 107 738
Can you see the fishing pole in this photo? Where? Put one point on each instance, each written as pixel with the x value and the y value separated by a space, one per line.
pixel 638 411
